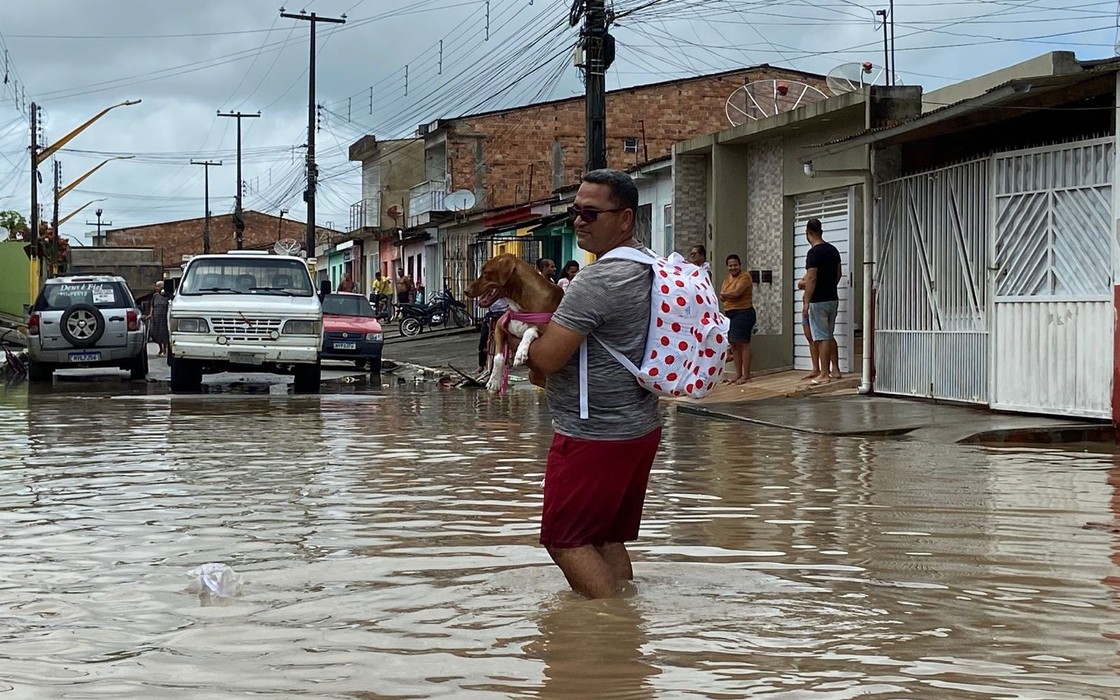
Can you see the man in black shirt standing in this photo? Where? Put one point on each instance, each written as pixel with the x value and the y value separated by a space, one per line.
pixel 821 301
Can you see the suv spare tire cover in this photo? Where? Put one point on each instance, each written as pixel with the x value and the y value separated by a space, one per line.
pixel 97 320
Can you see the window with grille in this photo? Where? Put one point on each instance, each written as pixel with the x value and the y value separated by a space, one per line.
pixel 630 145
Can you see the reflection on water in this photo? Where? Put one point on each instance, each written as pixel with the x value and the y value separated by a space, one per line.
pixel 388 544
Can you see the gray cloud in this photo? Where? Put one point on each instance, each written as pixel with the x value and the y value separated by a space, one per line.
pixel 188 60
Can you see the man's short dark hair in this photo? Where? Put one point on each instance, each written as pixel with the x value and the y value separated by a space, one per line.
pixel 814 225
pixel 734 257
pixel 624 193
pixel 699 248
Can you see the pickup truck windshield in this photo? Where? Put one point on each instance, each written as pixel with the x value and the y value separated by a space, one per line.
pixel 267 276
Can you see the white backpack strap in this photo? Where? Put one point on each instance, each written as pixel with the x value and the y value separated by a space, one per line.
pixel 622 359
pixel 584 410
pixel 628 253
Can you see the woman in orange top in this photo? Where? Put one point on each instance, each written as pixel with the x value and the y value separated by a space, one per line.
pixel 737 295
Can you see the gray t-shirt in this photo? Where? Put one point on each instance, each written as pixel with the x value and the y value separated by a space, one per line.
pixel 610 298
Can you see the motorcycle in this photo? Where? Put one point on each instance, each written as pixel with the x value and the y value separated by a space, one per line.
pixel 441 309
pixel 452 309
pixel 415 316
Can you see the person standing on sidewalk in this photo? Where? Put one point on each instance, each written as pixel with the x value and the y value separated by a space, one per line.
pixel 821 300
pixel 737 295
pixel 698 256
pixel 598 468
pixel 404 287
pixel 547 268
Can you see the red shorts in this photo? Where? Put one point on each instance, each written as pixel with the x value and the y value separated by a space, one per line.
pixel 594 489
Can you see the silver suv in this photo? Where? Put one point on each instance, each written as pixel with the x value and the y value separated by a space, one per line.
pixel 86 321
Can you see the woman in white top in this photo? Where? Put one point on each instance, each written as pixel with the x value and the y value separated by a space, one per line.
pixel 567 273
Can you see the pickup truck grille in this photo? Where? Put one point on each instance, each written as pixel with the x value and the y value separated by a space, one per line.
pixel 241 329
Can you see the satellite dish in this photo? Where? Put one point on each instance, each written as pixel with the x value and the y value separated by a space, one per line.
pixel 394 212
pixel 287 246
pixel 849 77
pixel 459 200
pixel 765 98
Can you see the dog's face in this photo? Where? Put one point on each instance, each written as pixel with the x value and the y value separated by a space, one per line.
pixel 493 283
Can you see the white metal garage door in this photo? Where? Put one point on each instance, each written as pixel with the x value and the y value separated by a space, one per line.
pixel 1053 314
pixel 834 209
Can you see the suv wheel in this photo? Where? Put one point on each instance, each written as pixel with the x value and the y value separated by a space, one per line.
pixel 82 325
pixel 39 372
pixel 138 368
pixel 307 378
pixel 186 376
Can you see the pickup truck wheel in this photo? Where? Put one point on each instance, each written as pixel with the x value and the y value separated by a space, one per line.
pixel 39 372
pixel 138 368
pixel 186 376
pixel 82 325
pixel 307 378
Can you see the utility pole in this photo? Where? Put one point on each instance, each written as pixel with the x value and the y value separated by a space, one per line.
pixel 238 219
pixel 97 223
pixel 596 42
pixel 33 236
pixel 206 222
pixel 894 64
pixel 57 188
pixel 312 172
pixel 886 48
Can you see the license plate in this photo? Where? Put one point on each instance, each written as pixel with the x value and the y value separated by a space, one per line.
pixel 85 357
pixel 246 358
pixel 345 346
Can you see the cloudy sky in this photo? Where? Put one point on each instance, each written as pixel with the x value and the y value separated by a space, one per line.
pixel 188 60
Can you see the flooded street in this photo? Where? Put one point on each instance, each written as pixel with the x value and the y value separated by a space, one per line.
pixel 387 540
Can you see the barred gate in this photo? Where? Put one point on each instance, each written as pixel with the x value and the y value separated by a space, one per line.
pixel 1052 311
pixel 931 328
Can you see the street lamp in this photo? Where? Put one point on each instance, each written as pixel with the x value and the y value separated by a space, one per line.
pixel 60 193
pixel 72 214
pixel 37 157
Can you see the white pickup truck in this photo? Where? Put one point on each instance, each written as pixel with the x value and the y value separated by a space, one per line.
pixel 245 310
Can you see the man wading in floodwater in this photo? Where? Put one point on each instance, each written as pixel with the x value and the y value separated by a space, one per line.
pixel 598 469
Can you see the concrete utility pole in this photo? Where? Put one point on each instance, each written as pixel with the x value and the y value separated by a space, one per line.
pixel 238 219
pixel 312 172
pixel 57 188
pixel 595 42
pixel 98 224
pixel 33 235
pixel 206 222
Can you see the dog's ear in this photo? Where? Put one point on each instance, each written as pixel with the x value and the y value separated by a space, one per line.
pixel 505 265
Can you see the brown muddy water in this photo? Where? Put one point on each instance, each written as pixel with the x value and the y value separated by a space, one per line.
pixel 387 541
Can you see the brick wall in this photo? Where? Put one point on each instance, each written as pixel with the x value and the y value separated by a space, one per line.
pixel 174 239
pixel 690 202
pixel 764 230
pixel 498 154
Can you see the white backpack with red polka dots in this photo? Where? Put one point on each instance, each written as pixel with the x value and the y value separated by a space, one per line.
pixel 687 345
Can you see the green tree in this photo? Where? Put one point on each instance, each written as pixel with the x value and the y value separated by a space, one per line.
pixel 14 222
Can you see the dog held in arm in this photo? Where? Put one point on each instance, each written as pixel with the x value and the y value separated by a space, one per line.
pixel 532 299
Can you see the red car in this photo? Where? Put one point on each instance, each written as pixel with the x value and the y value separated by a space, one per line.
pixel 351 331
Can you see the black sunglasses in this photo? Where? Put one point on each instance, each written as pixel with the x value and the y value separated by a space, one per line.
pixel 589 215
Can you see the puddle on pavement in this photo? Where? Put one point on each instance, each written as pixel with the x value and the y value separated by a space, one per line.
pixel 387 541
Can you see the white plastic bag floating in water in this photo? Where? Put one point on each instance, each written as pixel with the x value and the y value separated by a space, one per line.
pixel 216 580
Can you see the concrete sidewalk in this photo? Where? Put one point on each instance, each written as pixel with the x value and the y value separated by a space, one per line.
pixel 784 401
